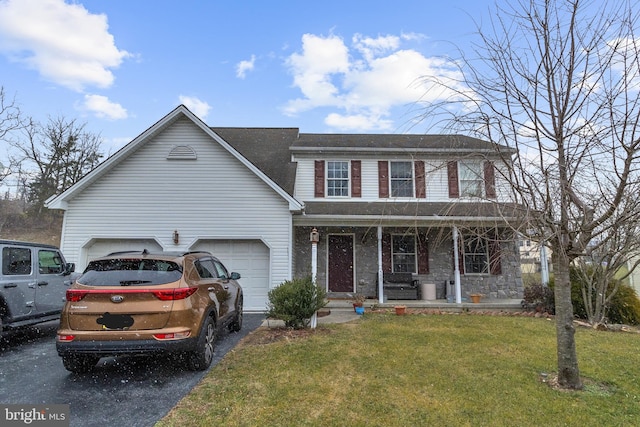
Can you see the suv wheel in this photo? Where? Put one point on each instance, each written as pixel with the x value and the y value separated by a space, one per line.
pixel 201 358
pixel 79 364
pixel 236 324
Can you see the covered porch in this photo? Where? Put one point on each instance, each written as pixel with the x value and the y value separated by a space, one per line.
pixel 357 258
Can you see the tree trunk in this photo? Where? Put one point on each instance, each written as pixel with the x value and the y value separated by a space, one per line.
pixel 568 372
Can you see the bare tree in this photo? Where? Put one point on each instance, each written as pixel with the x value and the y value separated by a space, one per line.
pixel 10 121
pixel 58 153
pixel 558 80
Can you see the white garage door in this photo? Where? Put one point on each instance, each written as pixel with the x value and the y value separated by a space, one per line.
pixel 250 258
pixel 102 247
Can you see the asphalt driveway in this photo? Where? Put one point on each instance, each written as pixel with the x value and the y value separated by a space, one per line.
pixel 133 391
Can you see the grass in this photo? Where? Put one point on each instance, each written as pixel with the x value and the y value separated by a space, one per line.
pixel 386 370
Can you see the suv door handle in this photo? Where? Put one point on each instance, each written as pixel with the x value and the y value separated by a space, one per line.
pixel 10 285
pixel 43 283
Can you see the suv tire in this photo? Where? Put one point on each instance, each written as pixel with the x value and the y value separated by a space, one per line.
pixel 236 324
pixel 201 358
pixel 80 364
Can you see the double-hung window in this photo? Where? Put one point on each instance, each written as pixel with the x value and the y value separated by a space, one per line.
pixel 476 255
pixel 403 253
pixel 338 179
pixel 401 179
pixel 471 179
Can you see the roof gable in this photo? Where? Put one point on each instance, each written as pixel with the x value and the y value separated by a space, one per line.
pixel 60 201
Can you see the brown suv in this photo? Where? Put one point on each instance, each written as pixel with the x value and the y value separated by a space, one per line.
pixel 141 302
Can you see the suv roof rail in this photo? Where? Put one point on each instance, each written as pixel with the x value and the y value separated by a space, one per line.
pixel 146 252
pixel 196 252
pixel 143 252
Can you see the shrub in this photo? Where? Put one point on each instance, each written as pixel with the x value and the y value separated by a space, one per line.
pixel 625 306
pixel 295 301
pixel 540 298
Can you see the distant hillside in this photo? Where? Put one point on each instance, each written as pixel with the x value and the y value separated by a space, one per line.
pixel 15 224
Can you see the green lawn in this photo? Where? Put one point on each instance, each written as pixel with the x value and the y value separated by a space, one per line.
pixel 419 370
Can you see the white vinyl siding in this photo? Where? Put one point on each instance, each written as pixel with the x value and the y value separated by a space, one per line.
pixel 437 189
pixel 146 196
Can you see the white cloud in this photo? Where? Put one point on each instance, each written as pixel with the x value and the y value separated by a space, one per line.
pixel 367 79
pixel 245 66
pixel 198 107
pixel 312 70
pixel 64 42
pixel 102 107
pixel 358 122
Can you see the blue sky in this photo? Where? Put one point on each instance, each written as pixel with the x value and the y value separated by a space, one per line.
pixel 325 66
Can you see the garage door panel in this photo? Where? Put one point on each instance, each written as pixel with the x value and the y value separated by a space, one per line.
pixel 250 258
pixel 102 247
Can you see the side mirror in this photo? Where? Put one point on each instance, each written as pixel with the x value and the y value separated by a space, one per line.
pixel 69 268
pixel 235 276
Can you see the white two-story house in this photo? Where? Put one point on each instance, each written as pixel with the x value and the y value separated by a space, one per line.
pixel 252 196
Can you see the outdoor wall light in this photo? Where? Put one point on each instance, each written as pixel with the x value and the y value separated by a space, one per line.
pixel 314 237
pixel 176 237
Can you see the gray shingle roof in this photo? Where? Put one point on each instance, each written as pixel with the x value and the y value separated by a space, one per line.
pixel 413 209
pixel 270 149
pixel 267 149
pixel 384 142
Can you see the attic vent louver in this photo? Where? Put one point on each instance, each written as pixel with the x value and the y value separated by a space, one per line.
pixel 182 152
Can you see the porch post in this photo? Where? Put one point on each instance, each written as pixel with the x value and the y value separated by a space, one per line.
pixel 380 288
pixel 456 263
pixel 314 237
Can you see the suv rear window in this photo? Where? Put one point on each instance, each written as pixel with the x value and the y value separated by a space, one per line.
pixel 130 272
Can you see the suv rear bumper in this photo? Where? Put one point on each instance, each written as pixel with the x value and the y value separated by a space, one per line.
pixel 114 348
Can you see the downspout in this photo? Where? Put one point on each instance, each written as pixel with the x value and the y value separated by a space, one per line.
pixel 380 288
pixel 544 265
pixel 456 270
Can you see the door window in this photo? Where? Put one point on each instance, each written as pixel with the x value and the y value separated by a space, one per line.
pixel 16 261
pixel 49 262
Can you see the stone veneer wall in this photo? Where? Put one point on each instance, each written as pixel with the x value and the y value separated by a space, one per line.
pixel 506 285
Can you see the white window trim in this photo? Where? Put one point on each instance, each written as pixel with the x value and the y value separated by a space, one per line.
pixel 413 180
pixel 480 180
pixel 415 251
pixel 487 258
pixel 326 179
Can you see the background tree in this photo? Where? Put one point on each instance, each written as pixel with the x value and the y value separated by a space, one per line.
pixel 59 153
pixel 611 257
pixel 558 81
pixel 10 121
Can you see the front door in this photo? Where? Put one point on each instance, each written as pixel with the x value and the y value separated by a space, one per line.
pixel 340 260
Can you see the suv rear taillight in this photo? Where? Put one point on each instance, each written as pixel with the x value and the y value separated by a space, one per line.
pixel 174 294
pixel 75 295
